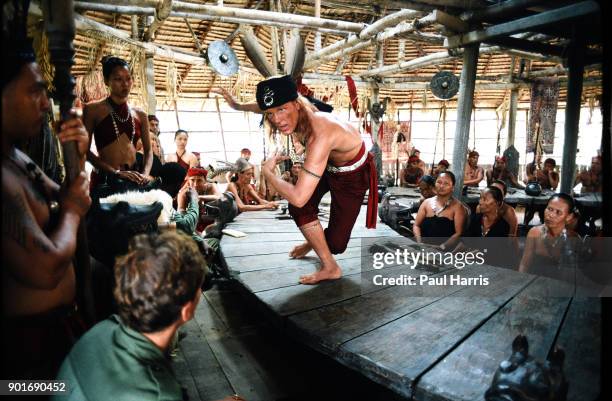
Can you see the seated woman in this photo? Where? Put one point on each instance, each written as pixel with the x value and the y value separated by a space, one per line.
pixel 427 186
pixel 506 211
pixel 412 173
pixel 182 156
pixel 116 128
pixel 441 219
pixel 544 243
pixel 487 221
pixel 247 198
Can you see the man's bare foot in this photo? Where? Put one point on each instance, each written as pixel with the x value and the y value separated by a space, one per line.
pixel 300 251
pixel 331 273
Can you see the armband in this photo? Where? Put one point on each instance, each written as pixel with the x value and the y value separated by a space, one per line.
pixel 311 173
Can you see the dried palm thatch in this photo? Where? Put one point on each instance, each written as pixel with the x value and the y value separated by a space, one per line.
pixel 43 57
pixel 172 82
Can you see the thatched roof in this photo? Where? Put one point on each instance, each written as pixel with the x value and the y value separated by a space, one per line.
pixel 403 86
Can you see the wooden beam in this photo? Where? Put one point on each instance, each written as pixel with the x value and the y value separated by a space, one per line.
pixel 333 51
pixel 466 100
pixel 462 4
pixel 572 114
pixel 420 62
pixel 230 15
pixel 86 24
pixel 505 10
pixel 450 21
pixel 317 14
pixel 162 12
pixel 512 117
pixel 524 24
pixel 530 46
pixel 150 83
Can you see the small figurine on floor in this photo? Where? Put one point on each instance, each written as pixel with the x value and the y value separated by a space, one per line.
pixel 522 378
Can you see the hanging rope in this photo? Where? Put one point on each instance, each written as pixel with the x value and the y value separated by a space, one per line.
pixel 442 112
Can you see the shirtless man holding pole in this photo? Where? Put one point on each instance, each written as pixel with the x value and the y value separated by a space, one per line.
pixel 336 161
pixel 39 229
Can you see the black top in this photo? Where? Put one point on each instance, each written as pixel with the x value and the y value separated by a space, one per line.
pixel 436 230
pixel 500 228
pixel 155 167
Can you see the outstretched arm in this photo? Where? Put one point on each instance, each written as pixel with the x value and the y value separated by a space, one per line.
pixel 252 106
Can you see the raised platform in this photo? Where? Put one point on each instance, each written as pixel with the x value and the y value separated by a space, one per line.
pixel 442 347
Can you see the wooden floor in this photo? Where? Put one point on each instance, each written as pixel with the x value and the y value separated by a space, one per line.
pixel 442 347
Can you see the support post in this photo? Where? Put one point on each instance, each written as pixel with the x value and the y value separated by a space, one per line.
pixel 512 118
pixel 317 39
pixel 575 63
pixel 150 82
pixel 464 109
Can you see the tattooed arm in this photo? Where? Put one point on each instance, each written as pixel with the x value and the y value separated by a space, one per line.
pixel 36 259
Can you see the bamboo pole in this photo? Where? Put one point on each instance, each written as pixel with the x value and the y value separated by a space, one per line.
pixel 366 35
pixel 317 14
pixel 221 127
pixel 162 12
pixel 248 14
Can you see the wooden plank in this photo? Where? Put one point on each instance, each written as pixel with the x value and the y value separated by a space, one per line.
pixel 246 355
pixel 181 369
pixel 580 338
pixel 253 249
pixel 328 327
pixel 397 353
pixel 210 380
pixel 524 24
pixel 530 313
pixel 269 279
pixel 240 264
pixel 299 298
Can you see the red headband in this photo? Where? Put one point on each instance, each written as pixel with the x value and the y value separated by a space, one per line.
pixel 500 158
pixel 413 159
pixel 444 162
pixel 197 172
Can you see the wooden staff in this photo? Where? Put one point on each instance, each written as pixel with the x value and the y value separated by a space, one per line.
pixel 59 25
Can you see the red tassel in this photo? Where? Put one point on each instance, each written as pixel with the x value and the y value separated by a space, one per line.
pixel 353 94
pixel 372 212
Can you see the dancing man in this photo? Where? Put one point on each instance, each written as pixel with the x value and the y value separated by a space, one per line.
pixel 336 161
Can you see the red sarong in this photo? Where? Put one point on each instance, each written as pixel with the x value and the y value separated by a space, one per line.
pixel 347 192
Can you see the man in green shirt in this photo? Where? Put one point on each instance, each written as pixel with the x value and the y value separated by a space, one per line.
pixel 125 356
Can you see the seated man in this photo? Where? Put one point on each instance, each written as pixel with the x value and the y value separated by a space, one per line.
pixel 530 169
pixel 440 168
pixel 39 223
pixel 412 173
pixel 125 356
pixel 500 171
pixel 547 177
pixel 591 179
pixel 473 173
pixel 207 192
pixel 291 176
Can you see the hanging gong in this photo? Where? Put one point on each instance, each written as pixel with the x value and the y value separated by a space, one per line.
pixel 444 85
pixel 221 58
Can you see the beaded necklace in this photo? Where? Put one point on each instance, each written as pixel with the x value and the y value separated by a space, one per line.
pixel 116 117
pixel 436 209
